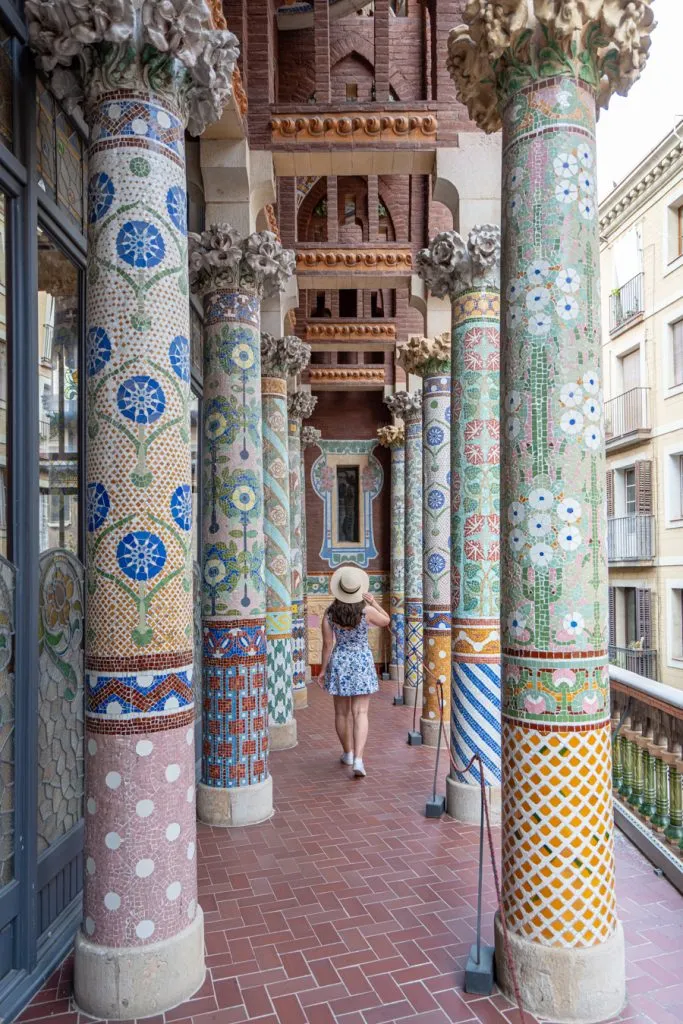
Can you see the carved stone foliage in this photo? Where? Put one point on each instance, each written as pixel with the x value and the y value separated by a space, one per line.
pixel 405 404
pixel 300 405
pixel 361 259
pixel 89 48
pixel 450 265
pixel 283 357
pixel 310 436
pixel 361 128
pixel 393 436
pixel 60 697
pixel 221 260
pixel 418 355
pixel 507 44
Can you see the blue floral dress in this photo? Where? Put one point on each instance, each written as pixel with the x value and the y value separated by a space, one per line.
pixel 351 670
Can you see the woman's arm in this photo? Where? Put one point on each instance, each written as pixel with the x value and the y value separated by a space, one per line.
pixel 328 644
pixel 375 615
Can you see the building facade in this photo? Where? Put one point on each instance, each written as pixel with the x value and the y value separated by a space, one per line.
pixel 641 225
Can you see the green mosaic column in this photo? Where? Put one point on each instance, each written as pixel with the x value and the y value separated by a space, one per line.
pixel 430 358
pixel 309 436
pixel 280 359
pixel 233 274
pixel 408 406
pixel 143 82
pixel 539 70
pixel 393 437
pixel 300 406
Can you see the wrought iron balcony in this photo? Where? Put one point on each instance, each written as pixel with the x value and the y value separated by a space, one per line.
pixel 626 303
pixel 642 662
pixel 627 417
pixel 630 538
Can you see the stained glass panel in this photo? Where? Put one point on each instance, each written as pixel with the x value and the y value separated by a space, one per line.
pixel 196 341
pixel 6 89
pixel 7 773
pixel 46 158
pixel 61 157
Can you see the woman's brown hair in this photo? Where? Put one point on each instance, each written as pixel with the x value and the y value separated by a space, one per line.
pixel 344 614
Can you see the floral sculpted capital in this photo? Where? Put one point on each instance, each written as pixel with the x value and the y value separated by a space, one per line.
pixel 405 404
pixel 506 44
pixel 301 404
pixel 422 355
pixel 309 436
pixel 283 357
pixel 392 436
pixel 450 265
pixel 221 260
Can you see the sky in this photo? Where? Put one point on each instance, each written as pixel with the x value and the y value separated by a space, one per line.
pixel 633 125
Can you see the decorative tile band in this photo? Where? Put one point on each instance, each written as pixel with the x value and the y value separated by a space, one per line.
pixel 296 501
pixel 320 584
pixel 397 554
pixel 222 306
pixel 413 550
pixel 139 791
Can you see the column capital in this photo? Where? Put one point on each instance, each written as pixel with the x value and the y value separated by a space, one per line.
pixel 222 260
pixel 405 404
pixel 426 356
pixel 300 405
pixel 178 47
pixel 450 265
pixel 283 357
pixel 393 436
pixel 310 436
pixel 506 45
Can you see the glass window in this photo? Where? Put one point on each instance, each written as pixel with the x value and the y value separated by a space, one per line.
pixel 6 89
pixel 630 370
pixel 58 369
pixel 630 492
pixel 677 352
pixel 348 494
pixel 4 362
pixel 680 230
pixel 630 617
pixel 61 157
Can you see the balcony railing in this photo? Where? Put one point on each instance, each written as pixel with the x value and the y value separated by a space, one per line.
pixel 647 764
pixel 630 538
pixel 627 414
pixel 626 302
pixel 642 662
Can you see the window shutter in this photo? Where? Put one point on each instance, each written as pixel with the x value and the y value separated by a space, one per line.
pixel 644 503
pixel 609 488
pixel 677 345
pixel 644 617
pixel 612 616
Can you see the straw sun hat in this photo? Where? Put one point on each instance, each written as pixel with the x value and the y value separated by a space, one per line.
pixel 349 583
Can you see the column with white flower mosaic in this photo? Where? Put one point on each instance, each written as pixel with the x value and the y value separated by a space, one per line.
pixel 393 437
pixel 309 436
pixel 408 406
pixel 469 272
pixel 540 74
pixel 280 358
pixel 430 358
pixel 233 274
pixel 141 919
pixel 300 406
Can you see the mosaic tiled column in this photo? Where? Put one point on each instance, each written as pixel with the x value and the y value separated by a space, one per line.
pixel 430 358
pixel 140 950
pixel 280 359
pixel 232 275
pixel 301 405
pixel 393 437
pixel 408 406
pixel 469 273
pixel 540 71
pixel 309 436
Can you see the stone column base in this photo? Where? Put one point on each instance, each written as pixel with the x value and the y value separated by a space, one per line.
pixel 463 801
pixel 397 672
pixel 282 735
pixel 429 727
pixel 412 695
pixel 567 986
pixel 243 805
pixel 300 698
pixel 139 981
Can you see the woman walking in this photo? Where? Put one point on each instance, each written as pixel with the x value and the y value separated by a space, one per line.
pixel 348 670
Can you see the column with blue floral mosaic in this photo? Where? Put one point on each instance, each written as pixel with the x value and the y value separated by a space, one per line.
pixel 143 82
pixel 408 406
pixel 469 272
pixel 393 437
pixel 540 73
pixel 233 274
pixel 430 358
pixel 280 358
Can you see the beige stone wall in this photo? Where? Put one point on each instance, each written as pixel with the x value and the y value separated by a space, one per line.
pixel 380 639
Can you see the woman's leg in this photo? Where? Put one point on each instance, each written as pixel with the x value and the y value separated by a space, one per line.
pixel 359 709
pixel 343 722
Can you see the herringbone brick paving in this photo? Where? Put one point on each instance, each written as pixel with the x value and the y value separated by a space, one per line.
pixel 350 907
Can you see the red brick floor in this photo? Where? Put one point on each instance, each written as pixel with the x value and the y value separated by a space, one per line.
pixel 350 906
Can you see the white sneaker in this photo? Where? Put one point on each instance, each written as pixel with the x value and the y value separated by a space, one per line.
pixel 347 758
pixel 359 768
